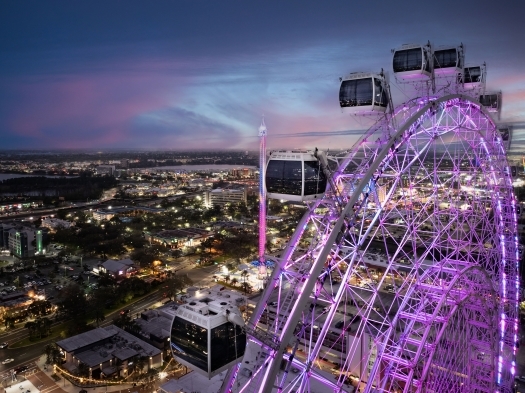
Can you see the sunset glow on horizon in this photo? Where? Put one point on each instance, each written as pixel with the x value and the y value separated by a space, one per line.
pixel 199 75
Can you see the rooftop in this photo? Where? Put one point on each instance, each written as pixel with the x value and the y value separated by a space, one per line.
pixel 116 266
pixel 84 339
pixel 105 344
pixel 194 382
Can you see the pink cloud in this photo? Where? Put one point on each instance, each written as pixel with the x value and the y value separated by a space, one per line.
pixel 69 106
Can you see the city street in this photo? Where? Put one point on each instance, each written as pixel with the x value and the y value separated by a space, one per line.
pixel 200 276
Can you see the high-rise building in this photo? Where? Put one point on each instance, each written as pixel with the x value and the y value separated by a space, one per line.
pixel 222 196
pixel 25 242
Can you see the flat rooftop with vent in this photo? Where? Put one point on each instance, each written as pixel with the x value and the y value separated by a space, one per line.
pixel 108 351
pixel 208 332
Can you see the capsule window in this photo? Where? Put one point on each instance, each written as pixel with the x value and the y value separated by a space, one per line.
pixel 408 60
pixel 489 100
pixel 472 75
pixel 356 92
pixel 314 178
pixel 446 58
pixel 284 177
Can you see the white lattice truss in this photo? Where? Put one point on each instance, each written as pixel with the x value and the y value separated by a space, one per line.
pixel 426 194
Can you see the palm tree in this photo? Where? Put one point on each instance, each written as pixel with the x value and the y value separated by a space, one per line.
pixel 246 287
pixel 142 361
pixel 52 353
pixel 133 366
pixel 234 281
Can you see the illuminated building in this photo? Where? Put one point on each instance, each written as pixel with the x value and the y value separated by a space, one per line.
pixel 109 351
pixel 25 242
pixel 223 196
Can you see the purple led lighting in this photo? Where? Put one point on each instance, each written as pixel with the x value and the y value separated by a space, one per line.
pixel 501 272
pixel 262 199
pixel 504 292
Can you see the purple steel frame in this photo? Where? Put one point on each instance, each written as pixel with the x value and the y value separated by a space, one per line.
pixel 383 159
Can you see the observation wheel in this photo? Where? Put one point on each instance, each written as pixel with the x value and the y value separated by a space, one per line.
pixel 403 278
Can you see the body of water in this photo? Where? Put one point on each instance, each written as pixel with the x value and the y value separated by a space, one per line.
pixel 5 176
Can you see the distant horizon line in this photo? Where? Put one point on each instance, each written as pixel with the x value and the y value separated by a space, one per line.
pixel 202 151
pixel 138 150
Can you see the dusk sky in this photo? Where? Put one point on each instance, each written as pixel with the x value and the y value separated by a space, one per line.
pixel 190 74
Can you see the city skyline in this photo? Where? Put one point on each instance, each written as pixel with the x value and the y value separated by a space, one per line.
pixel 198 76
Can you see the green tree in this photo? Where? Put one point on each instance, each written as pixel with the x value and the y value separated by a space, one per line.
pixel 83 370
pixel 152 375
pixel 73 306
pixel 143 257
pixel 106 280
pixel 45 327
pixel 31 327
pixel 175 284
pixel 142 362
pixel 207 244
pixel 52 353
pixel 39 307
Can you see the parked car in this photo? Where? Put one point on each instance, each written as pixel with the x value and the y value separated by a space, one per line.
pixel 3 345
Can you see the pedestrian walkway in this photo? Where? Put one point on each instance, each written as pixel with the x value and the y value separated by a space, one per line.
pixel 49 385
pixel 38 379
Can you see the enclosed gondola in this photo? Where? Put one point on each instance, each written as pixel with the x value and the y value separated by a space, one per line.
pixel 506 136
pixel 363 93
pixel 412 63
pixel 294 176
pixel 491 101
pixel 472 77
pixel 448 61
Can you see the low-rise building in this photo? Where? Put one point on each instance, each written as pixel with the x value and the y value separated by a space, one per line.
pixel 108 214
pixel 106 170
pixel 108 351
pixel 154 328
pixel 55 223
pixel 118 269
pixel 178 238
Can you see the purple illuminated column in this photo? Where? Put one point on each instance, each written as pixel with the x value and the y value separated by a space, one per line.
pixel 262 199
